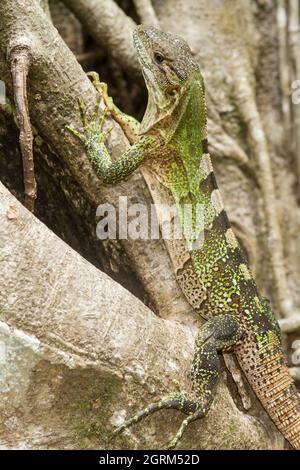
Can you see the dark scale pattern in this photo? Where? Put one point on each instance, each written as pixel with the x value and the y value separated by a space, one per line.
pixel 190 285
pixel 262 360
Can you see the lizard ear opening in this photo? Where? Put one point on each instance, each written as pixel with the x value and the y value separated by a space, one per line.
pixel 173 90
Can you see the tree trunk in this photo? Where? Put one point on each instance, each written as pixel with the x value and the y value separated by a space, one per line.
pixel 79 349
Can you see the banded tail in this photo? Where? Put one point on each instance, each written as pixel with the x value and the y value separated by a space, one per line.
pixel 269 377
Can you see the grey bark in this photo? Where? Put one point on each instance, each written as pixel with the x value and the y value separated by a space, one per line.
pixel 53 100
pixel 113 31
pixel 55 82
pixel 79 352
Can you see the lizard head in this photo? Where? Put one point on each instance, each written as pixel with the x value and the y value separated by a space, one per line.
pixel 167 63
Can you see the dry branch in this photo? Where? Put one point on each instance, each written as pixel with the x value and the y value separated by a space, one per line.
pixel 258 141
pixel 20 59
pixel 56 83
pixel 294 42
pixel 282 22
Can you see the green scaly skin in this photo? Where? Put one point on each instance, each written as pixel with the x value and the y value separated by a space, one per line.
pixel 171 147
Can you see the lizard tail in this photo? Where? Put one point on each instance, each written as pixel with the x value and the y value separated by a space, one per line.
pixel 269 377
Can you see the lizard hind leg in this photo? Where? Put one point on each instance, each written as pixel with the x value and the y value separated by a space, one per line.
pixel 179 401
pixel 220 333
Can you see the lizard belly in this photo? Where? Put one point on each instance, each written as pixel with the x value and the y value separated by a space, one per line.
pixel 209 272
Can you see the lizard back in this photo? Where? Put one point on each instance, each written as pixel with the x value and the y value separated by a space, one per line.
pixel 214 275
pixel 208 262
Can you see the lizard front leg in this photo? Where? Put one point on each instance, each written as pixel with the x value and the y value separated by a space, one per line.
pixel 218 334
pixel 94 138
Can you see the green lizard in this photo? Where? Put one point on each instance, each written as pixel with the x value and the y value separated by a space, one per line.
pixel 170 146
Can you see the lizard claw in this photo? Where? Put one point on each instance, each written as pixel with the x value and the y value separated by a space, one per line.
pixel 102 89
pixel 94 76
pixel 82 110
pixel 172 445
pixel 98 114
pixel 76 133
pixel 92 127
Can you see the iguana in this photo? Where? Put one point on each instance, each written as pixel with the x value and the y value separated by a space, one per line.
pixel 170 146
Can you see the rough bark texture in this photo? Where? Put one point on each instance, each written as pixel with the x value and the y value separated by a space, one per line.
pixel 53 95
pixel 74 385
pixel 77 351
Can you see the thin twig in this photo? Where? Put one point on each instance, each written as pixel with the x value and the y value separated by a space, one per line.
pixel 237 377
pixel 20 59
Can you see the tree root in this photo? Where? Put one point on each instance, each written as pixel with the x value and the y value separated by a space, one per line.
pixel 146 12
pixel 248 109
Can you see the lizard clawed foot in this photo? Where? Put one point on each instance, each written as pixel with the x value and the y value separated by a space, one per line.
pixel 220 333
pixel 101 87
pixel 180 401
pixel 92 128
pixel 197 415
pixel 129 125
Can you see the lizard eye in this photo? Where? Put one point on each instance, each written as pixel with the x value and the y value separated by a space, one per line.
pixel 158 57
